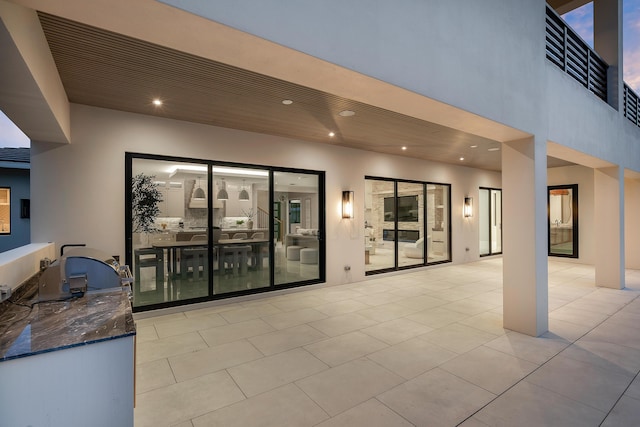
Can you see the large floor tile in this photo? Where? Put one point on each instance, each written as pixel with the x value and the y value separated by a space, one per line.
pixel 379 298
pixel 195 364
pixel 528 404
pixel 181 326
pixel 458 338
pixel 386 312
pixel 534 349
pixel 242 314
pixel 146 333
pixel 578 316
pixel 436 398
pixel 625 413
pixel 183 401
pixel 235 332
pixel 371 413
pixel 396 331
pixel 580 381
pixel 286 339
pixel 604 355
pixel 284 406
pixel 469 307
pixel 152 375
pixel 489 322
pixel 348 385
pixel 412 357
pixel 294 318
pixel 490 369
pixel 343 348
pixel 437 317
pixel 634 389
pixel 156 320
pixel 298 302
pixel 170 346
pixel 274 371
pixel 341 324
pixel 341 307
pixel 612 332
pixel 422 302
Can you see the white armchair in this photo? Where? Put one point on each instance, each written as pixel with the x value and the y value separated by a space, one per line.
pixel 416 250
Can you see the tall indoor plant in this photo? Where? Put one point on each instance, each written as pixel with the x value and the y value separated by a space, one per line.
pixel 145 197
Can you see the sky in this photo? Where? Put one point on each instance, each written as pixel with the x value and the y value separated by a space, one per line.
pixel 580 20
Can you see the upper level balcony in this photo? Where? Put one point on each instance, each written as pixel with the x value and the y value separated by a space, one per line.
pixel 567 50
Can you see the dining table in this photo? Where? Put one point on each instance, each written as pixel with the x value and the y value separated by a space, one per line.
pixel 173 249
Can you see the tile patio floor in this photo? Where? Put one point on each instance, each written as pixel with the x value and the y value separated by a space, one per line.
pixel 424 348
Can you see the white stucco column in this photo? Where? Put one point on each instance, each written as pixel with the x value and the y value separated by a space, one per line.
pixel 524 219
pixel 609 229
pixel 607 41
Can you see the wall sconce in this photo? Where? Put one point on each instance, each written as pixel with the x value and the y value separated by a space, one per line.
pixel 347 204
pixel 468 207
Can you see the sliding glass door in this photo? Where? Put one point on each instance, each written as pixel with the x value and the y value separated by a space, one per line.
pixel 490 221
pixel 407 224
pixel 299 231
pixel 168 231
pixel 562 201
pixel 197 231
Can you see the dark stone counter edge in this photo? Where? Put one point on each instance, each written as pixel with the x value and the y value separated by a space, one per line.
pixel 64 347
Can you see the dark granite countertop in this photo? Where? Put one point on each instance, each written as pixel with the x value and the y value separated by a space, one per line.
pixel 28 327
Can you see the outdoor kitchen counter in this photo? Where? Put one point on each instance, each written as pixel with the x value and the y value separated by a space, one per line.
pixel 57 325
pixel 75 358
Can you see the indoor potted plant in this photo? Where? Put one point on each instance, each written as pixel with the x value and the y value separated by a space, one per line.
pixel 145 197
pixel 249 215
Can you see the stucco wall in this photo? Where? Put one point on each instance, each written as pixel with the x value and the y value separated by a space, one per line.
pixel 91 172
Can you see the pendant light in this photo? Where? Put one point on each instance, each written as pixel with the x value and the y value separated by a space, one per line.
pixel 198 193
pixel 244 194
pixel 222 193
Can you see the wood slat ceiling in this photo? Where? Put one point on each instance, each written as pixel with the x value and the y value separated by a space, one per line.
pixel 109 70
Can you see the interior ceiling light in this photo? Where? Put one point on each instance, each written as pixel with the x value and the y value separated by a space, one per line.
pixel 157 102
pixel 244 194
pixel 347 113
pixel 404 148
pixel 287 101
pixel 494 149
pixel 222 193
pixel 461 158
pixel 198 193
pixel 332 134
pixel 474 146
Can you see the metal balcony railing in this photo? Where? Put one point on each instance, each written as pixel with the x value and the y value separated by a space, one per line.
pixel 631 105
pixel 567 50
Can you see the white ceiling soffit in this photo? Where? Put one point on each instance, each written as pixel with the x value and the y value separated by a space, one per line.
pixel 570 155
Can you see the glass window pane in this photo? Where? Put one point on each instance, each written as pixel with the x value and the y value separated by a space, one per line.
pixel 410 233
pixel 438 217
pixel 5 210
pixel 563 221
pixel 484 221
pixel 496 221
pixel 380 236
pixel 169 224
pixel 297 227
pixel 241 229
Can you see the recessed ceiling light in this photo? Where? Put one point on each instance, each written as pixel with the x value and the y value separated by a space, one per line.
pixel 461 158
pixel 404 148
pixel 331 134
pixel 157 102
pixel 287 101
pixel 494 149
pixel 347 113
pixel 474 146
